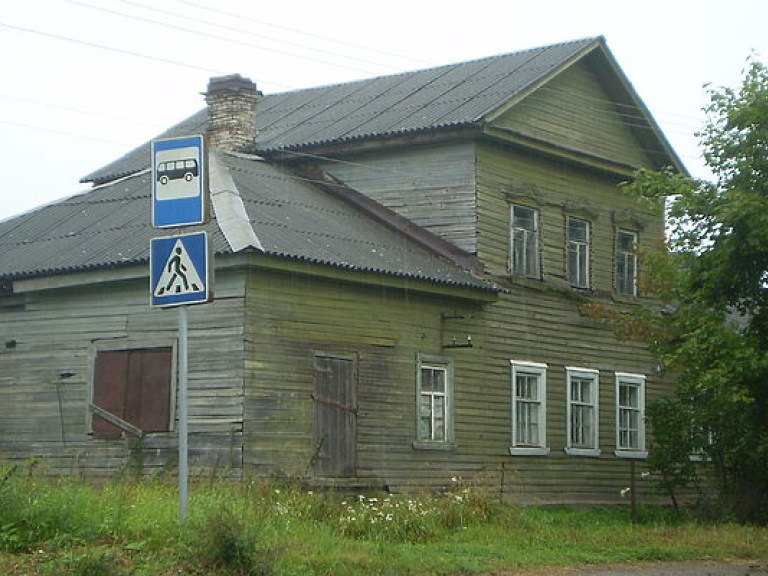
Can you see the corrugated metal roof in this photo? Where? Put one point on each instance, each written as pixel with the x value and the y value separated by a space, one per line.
pixel 453 95
pixel 110 226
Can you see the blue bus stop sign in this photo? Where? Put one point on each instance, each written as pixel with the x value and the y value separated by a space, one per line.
pixel 180 270
pixel 178 182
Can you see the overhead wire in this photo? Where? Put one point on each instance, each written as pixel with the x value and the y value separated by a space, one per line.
pixel 57 106
pixel 225 39
pixel 251 33
pixel 627 117
pixel 110 48
pixel 59 132
pixel 300 32
pixel 615 104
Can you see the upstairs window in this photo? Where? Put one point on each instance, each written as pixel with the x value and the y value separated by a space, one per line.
pixel 630 415
pixel 578 252
pixel 524 242
pixel 435 376
pixel 529 408
pixel 582 412
pixel 626 262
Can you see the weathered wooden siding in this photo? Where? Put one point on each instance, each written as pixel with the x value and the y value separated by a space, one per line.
pixel 59 330
pixel 557 189
pixel 575 112
pixel 432 186
pixel 291 317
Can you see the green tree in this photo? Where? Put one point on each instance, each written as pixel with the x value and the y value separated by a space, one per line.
pixel 713 334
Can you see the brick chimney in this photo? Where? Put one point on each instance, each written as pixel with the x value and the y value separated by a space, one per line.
pixel 232 112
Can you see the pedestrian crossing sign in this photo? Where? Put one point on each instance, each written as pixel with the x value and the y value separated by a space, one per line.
pixel 180 271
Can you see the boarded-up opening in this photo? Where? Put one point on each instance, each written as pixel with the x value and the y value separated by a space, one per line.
pixel 335 416
pixel 135 387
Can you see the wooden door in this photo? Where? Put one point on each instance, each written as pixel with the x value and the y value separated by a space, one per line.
pixel 335 416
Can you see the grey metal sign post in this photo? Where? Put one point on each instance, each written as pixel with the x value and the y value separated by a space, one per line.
pixel 181 268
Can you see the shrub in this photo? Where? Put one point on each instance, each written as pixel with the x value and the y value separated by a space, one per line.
pixel 229 540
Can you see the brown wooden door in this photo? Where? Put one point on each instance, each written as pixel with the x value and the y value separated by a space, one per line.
pixel 335 416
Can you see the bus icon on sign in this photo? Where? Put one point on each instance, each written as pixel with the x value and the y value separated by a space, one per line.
pixel 178 182
pixel 176 173
pixel 186 168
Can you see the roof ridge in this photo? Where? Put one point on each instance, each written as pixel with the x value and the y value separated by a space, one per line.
pixel 384 111
pixel 585 40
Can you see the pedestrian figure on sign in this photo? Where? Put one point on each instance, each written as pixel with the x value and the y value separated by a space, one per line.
pixel 178 272
pixel 178 269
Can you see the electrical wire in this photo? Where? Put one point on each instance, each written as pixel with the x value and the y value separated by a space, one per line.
pixel 301 32
pixel 250 33
pixel 110 48
pixel 224 39
pixel 60 132
pixel 628 118
pixel 125 119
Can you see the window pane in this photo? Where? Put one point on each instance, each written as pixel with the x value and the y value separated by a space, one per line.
pixel 630 410
pixel 626 241
pixel 524 239
pixel 528 408
pixel 433 404
pixel 577 230
pixel 528 423
pixel 524 218
pixel 581 426
pixel 626 262
pixel 629 395
pixel 583 411
pixel 526 386
pixel 578 252
pixel 433 379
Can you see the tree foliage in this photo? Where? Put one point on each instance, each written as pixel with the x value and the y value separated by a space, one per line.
pixel 713 274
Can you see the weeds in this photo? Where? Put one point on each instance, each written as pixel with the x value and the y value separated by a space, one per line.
pixel 226 540
pixel 269 528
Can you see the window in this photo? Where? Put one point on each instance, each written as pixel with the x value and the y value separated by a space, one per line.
pixel 529 408
pixel 131 392
pixel 626 263
pixel 435 386
pixel 630 415
pixel 578 252
pixel 524 242
pixel 582 412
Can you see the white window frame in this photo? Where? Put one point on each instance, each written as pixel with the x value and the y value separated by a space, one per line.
pixel 624 261
pixel 445 365
pixel 590 404
pixel 635 412
pixel 530 248
pixel 578 276
pixel 519 447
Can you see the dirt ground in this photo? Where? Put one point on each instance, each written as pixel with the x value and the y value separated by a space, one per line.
pixel 734 568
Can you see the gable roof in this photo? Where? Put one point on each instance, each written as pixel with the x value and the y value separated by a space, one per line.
pixel 451 96
pixel 109 226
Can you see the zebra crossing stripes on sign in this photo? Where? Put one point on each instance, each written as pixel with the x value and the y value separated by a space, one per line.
pixel 180 272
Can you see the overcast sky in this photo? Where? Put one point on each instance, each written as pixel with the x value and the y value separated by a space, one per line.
pixel 83 82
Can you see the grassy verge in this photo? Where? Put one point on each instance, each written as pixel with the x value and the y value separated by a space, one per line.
pixel 65 527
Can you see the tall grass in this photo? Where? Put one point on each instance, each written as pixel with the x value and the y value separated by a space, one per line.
pixel 60 526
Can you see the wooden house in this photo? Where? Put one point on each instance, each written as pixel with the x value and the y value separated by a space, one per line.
pixel 400 268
